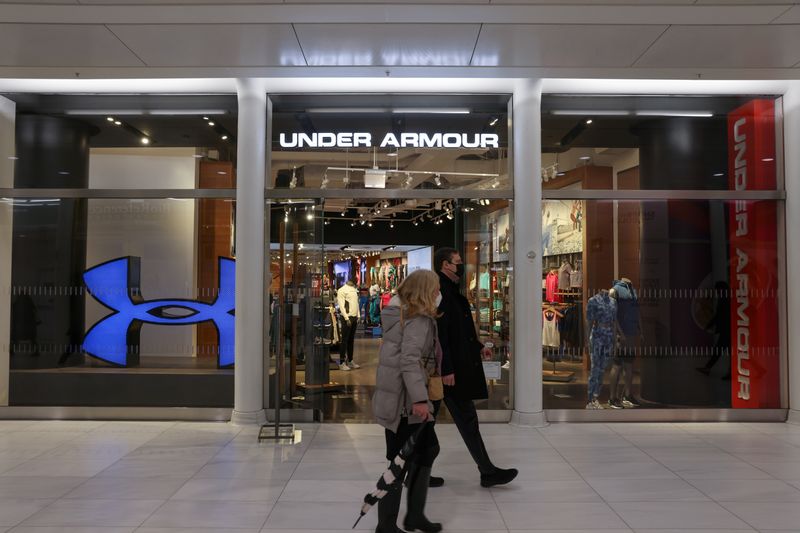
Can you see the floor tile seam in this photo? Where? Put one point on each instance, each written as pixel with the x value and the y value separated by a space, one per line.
pixel 52 502
pixel 739 517
pixel 608 505
pixel 285 484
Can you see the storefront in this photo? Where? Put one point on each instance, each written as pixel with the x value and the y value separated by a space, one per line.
pixel 179 256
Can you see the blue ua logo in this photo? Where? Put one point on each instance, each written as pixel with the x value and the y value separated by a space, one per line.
pixel 115 338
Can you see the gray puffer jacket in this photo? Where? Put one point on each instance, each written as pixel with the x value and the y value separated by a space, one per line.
pixel 406 360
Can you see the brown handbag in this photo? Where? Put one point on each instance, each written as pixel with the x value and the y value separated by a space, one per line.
pixel 435 388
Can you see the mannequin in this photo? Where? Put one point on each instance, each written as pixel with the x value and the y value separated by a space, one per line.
pixel 629 331
pixel 601 312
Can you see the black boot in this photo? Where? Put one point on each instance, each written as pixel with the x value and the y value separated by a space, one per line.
pixel 436 482
pixel 388 509
pixel 417 494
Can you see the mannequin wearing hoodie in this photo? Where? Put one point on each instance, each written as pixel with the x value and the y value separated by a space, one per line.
pixel 347 298
pixel 629 331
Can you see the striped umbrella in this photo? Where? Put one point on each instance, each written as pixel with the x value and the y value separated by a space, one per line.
pixel 393 475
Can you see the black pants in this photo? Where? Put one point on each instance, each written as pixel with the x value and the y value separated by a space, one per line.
pixel 348 339
pixel 466 419
pixel 427 446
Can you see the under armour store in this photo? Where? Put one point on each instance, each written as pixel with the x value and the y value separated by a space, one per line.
pixel 178 253
pixel 364 190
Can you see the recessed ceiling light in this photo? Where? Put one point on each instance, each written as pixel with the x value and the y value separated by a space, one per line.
pixel 110 119
pixel 145 140
pixel 719 174
pixel 224 137
pixel 589 121
pixel 210 123
pixel 117 122
pixel 585 158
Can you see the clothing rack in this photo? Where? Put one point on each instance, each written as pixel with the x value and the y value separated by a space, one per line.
pixel 555 375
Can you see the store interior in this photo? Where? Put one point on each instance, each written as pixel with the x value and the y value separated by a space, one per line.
pixel 375 244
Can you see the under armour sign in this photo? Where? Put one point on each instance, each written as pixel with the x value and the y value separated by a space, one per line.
pixel 390 140
pixel 115 338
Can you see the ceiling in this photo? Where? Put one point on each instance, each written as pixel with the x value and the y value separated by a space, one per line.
pixel 595 38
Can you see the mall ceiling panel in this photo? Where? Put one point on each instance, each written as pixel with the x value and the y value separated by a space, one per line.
pixel 791 16
pixel 212 45
pixel 57 45
pixel 771 46
pixel 539 45
pixel 388 44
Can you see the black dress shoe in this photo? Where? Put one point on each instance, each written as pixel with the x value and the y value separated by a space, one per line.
pixel 500 476
pixel 435 481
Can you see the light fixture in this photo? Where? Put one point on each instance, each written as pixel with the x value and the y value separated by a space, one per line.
pixel 391 225
pixel 588 121
pixel 310 216
pixel 110 119
pixel 691 114
pixel 363 221
pixel 211 123
pixel 385 204
pixel 342 213
pixel 494 121
pixel 370 224
pixel 416 223
pixel 392 154
pixel 145 140
pixel 118 123
pixel 768 159
pixel 585 157
pixel 433 110
pixel 437 180
pixel 719 174
pixel 595 112
pixel 224 137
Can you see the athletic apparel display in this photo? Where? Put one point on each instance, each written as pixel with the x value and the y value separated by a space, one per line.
pixel 601 313
pixel 550 334
pixel 551 286
pixel 347 298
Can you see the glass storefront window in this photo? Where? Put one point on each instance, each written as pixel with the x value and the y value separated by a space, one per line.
pixel 117 141
pixel 123 300
pixel 120 302
pixel 671 303
pixel 672 142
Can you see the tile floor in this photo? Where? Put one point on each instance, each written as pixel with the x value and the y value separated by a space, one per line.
pixel 167 477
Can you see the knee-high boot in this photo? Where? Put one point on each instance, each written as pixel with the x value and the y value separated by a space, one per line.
pixel 388 509
pixel 419 477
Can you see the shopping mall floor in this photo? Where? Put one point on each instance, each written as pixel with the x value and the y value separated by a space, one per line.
pixel 62 476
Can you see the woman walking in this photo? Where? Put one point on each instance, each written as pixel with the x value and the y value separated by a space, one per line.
pixel 409 356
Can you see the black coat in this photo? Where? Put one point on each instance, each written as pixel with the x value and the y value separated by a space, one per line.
pixel 461 349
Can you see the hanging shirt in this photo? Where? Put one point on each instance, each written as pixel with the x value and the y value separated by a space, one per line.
pixel 551 285
pixel 564 276
pixel 550 334
pixel 576 279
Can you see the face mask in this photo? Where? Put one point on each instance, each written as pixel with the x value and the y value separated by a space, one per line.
pixel 438 299
pixel 460 270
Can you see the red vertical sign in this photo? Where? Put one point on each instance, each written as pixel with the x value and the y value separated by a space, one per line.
pixel 755 362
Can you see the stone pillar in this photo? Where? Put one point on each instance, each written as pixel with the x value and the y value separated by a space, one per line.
pixel 248 404
pixel 527 349
pixel 8 112
pixel 791 128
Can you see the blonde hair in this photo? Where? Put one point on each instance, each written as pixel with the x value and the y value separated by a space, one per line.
pixel 418 293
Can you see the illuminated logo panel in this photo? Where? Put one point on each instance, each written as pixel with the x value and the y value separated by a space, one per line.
pixel 116 285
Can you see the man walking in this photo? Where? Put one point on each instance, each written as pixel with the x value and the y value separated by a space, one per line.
pixel 462 367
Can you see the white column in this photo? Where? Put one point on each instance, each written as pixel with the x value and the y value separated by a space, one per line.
pixel 7 136
pixel 248 406
pixel 791 125
pixel 527 157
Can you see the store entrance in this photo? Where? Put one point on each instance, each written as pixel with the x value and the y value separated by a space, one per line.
pixel 334 265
